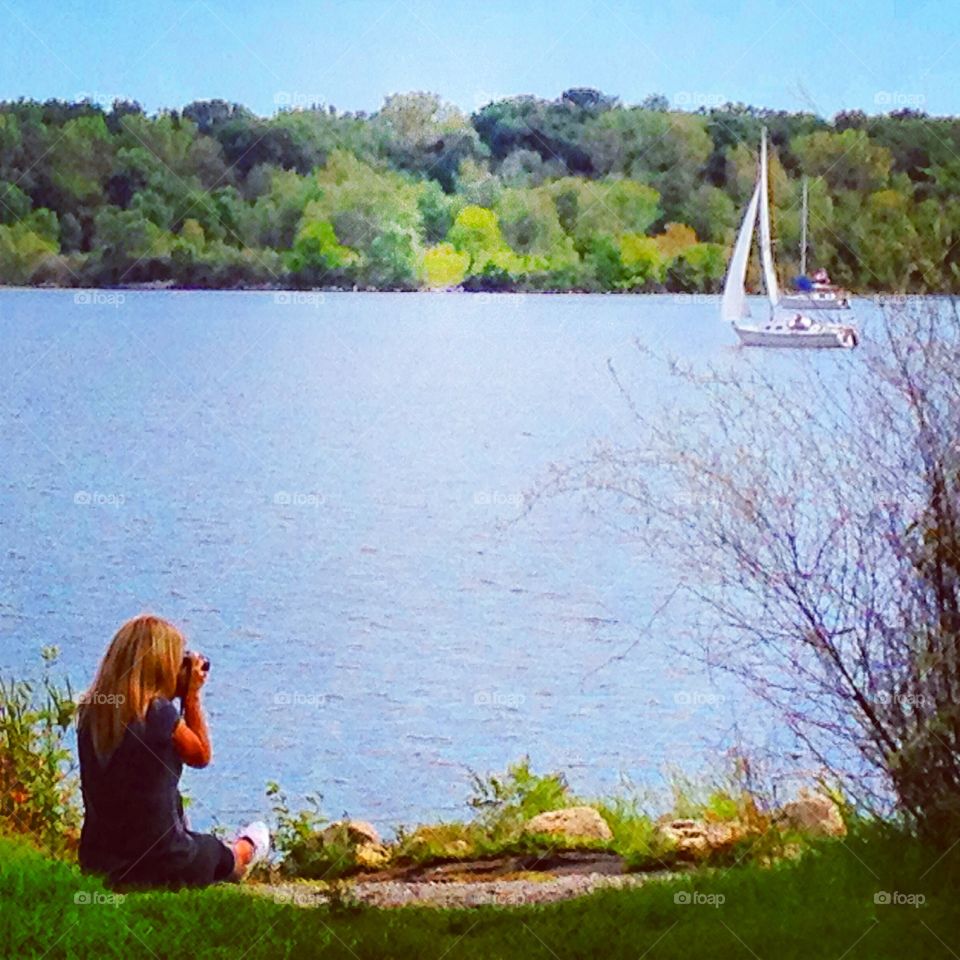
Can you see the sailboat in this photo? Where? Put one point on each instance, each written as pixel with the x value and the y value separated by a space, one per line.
pixel 818 293
pixel 784 327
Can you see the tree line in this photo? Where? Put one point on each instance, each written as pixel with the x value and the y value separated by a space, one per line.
pixel 578 193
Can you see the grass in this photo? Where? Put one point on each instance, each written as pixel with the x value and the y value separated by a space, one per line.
pixel 821 906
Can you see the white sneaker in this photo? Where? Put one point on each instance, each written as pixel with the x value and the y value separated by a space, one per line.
pixel 259 835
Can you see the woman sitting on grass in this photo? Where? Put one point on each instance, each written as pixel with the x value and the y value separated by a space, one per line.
pixel 133 743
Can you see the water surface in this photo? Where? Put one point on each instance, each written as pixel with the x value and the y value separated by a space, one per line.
pixel 318 490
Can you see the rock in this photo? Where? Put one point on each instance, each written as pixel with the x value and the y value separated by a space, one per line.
pixel 572 823
pixel 355 832
pixel 372 856
pixel 698 839
pixel 440 840
pixel 458 848
pixel 687 837
pixel 368 851
pixel 815 815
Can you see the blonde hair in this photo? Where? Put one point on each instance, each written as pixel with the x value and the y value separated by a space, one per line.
pixel 141 664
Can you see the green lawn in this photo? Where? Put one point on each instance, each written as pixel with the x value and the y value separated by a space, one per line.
pixel 823 906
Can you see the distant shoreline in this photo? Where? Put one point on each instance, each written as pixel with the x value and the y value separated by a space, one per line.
pixel 163 287
pixel 880 297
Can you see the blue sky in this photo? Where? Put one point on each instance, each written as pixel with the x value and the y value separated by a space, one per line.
pixel 787 55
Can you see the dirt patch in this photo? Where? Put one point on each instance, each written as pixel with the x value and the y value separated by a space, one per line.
pixel 500 881
pixel 554 863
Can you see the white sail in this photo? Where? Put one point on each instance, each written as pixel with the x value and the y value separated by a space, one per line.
pixel 733 306
pixel 766 251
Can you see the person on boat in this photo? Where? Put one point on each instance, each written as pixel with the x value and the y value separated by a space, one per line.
pixel 799 322
pixel 822 277
pixel 133 743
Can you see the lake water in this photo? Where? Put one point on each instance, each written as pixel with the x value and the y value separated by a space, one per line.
pixel 319 489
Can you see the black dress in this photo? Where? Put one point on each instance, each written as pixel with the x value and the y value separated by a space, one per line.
pixel 134 830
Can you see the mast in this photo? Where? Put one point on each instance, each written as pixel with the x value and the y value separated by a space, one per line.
pixel 766 246
pixel 803 235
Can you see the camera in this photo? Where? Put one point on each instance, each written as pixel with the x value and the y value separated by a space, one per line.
pixel 186 667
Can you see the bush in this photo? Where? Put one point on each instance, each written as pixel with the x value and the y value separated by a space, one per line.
pixel 298 838
pixel 507 802
pixel 38 786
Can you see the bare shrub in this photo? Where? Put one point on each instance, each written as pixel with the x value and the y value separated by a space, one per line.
pixel 810 505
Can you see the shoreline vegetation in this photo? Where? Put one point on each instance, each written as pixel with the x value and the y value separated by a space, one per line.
pixel 577 194
pixel 302 294
pixel 521 818
pixel 517 813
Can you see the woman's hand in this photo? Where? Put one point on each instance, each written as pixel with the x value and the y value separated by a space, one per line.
pixel 196 677
pixel 190 736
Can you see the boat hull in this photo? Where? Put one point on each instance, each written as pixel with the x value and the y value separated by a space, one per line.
pixel 802 301
pixel 820 337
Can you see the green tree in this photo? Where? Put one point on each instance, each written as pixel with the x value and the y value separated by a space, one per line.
pixel 375 213
pixel 588 208
pixel 476 232
pixel 22 252
pixel 14 203
pixel 426 136
pixel 643 260
pixel 698 269
pixel 317 252
pixel 444 266
pixel 667 151
pixel 847 160
pixel 81 158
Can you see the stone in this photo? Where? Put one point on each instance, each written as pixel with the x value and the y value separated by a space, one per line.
pixel 813 814
pixel 698 839
pixel 458 848
pixel 440 840
pixel 371 856
pixel 357 832
pixel 571 823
